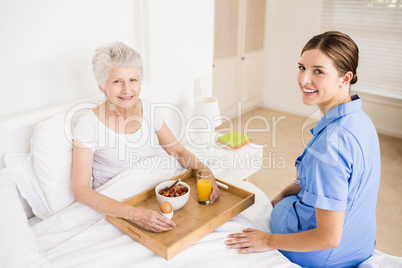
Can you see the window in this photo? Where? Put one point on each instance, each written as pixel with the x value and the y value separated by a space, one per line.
pixel 376 27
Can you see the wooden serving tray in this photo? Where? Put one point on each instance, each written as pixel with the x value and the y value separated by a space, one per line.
pixel 193 221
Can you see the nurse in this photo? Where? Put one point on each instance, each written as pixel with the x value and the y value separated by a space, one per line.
pixel 326 218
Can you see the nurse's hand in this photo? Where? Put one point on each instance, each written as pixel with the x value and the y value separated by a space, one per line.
pixel 251 240
pixel 291 189
pixel 276 199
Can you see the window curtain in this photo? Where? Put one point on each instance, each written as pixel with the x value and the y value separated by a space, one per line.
pixel 376 27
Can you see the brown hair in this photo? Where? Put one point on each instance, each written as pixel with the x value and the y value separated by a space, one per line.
pixel 340 48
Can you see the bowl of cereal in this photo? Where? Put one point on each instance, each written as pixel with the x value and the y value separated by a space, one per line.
pixel 177 196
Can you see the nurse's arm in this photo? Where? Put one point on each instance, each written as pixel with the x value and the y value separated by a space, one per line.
pixel 291 189
pixel 326 235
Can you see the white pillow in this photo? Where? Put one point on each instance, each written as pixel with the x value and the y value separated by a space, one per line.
pixel 52 161
pixel 27 183
pixel 18 247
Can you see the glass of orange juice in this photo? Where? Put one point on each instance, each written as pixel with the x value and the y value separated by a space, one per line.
pixel 204 186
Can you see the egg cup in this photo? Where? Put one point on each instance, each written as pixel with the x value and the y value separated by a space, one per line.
pixel 167 215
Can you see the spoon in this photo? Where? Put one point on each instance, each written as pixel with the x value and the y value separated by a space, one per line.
pixel 181 177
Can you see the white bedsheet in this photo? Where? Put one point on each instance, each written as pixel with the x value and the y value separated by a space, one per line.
pixel 80 237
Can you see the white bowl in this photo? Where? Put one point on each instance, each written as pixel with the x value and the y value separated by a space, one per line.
pixel 177 202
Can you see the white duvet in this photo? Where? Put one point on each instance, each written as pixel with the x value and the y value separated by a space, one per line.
pixel 80 237
pixel 77 236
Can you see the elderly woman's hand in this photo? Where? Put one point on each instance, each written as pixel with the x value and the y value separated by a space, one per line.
pixel 150 220
pixel 215 191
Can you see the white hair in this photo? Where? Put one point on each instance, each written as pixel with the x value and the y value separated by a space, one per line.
pixel 115 54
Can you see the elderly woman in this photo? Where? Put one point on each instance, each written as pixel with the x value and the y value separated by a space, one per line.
pixel 326 218
pixel 107 137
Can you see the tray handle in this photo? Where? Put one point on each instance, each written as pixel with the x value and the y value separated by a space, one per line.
pixel 133 233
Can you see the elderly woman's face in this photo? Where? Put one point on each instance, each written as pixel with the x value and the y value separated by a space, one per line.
pixel 123 86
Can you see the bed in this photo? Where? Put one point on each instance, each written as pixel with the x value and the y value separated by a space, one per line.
pixel 42 226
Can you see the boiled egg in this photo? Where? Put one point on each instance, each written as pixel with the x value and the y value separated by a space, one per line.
pixel 166 207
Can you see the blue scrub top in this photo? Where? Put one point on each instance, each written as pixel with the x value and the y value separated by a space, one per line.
pixel 340 171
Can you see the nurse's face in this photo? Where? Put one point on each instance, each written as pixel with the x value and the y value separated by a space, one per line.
pixel 319 81
pixel 123 87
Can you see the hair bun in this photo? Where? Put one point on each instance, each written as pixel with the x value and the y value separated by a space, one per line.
pixel 354 79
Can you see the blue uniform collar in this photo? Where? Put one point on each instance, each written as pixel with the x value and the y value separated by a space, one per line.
pixel 337 112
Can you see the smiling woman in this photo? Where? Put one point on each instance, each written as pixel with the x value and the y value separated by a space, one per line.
pixel 117 54
pixel 327 68
pixel 320 82
pixel 122 90
pixel 107 136
pixel 329 211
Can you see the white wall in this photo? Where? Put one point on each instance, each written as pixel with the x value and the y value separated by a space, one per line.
pixel 288 29
pixel 181 50
pixel 385 113
pixel 47 45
